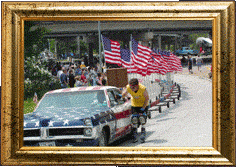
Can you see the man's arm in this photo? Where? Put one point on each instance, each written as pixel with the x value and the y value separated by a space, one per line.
pixel 124 94
pixel 145 94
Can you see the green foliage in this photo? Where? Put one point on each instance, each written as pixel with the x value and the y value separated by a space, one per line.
pixel 65 47
pixel 193 38
pixel 37 77
pixel 29 106
pixel 52 45
pixel 34 43
pixel 83 47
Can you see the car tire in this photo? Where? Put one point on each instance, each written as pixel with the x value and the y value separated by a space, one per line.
pixel 103 139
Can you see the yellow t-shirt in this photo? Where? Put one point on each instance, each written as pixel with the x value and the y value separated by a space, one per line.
pixel 82 66
pixel 137 99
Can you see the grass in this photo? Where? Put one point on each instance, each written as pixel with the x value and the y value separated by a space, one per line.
pixel 29 106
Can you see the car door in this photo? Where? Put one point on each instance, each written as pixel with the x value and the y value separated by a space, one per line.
pixel 122 113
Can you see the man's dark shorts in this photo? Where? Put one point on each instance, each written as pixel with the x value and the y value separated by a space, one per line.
pixel 138 110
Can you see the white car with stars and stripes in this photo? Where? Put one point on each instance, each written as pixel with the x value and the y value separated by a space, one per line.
pixel 81 116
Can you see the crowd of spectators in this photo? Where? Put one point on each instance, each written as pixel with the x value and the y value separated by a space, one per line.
pixel 76 75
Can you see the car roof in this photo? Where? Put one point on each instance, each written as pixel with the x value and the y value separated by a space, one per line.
pixel 83 88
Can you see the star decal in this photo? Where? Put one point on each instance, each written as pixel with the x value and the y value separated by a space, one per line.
pixel 66 122
pixel 51 123
pixel 37 124
pixel 25 124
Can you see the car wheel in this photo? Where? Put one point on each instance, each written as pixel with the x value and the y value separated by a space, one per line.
pixel 103 139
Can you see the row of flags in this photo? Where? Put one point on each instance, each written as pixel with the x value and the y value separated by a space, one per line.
pixel 140 59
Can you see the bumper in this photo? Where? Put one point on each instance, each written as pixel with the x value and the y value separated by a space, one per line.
pixel 67 142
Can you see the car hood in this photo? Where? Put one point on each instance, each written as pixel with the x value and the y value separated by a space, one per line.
pixel 61 117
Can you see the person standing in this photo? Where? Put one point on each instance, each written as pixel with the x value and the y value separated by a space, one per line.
pixel 71 79
pixel 190 64
pixel 83 78
pixel 82 66
pixel 63 79
pixel 78 71
pixel 199 62
pixel 139 106
pixel 99 79
pixel 60 71
pixel 92 77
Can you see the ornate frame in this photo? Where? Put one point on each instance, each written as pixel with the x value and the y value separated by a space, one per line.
pixel 221 13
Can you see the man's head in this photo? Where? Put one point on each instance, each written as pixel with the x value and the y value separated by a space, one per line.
pixel 64 71
pixel 133 83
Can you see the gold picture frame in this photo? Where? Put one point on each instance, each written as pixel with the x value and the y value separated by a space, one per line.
pixel 222 15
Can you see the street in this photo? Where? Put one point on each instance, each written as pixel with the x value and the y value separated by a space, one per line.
pixel 188 122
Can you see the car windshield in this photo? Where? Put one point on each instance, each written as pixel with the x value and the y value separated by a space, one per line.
pixel 81 99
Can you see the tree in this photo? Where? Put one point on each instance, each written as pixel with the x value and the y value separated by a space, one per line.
pixel 66 47
pixel 34 43
pixel 193 38
pixel 37 77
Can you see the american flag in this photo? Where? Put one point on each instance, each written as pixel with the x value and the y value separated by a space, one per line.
pixel 159 64
pixel 126 61
pixel 174 63
pixel 140 55
pixel 111 51
pixel 177 63
pixel 160 61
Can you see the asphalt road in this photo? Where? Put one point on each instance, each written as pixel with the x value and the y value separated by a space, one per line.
pixel 188 122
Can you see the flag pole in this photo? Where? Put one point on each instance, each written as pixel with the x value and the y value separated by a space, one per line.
pixel 99 43
pixel 103 50
pixel 130 48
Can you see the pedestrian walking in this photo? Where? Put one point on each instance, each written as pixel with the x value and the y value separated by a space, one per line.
pixel 139 106
pixel 190 64
pixel 199 62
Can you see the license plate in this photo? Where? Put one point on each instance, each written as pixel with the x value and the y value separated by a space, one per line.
pixel 52 143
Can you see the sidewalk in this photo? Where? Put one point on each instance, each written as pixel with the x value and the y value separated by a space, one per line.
pixel 202 73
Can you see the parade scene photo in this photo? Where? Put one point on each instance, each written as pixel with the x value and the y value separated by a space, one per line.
pixel 118 83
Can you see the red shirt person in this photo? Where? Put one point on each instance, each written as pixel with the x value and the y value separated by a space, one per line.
pixel 83 78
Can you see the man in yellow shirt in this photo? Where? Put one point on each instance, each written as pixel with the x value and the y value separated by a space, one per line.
pixel 139 106
pixel 82 65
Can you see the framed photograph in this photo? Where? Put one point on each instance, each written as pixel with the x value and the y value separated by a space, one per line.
pixel 219 15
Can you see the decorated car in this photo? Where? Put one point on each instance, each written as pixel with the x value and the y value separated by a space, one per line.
pixel 81 116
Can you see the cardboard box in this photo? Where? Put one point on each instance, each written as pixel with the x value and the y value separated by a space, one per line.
pixel 117 77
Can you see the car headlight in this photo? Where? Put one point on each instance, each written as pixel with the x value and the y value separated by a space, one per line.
pixel 88 122
pixel 142 119
pixel 134 120
pixel 88 132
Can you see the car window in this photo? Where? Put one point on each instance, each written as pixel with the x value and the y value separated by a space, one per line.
pixel 116 93
pixel 112 98
pixel 82 99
